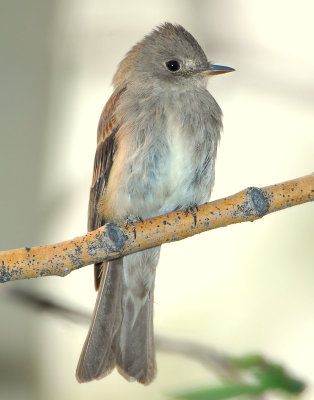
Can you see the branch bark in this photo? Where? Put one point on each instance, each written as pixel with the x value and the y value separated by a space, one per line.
pixel 113 241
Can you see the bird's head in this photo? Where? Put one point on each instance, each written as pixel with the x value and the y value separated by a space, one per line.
pixel 169 57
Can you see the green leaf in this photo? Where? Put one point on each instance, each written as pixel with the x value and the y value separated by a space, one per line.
pixel 270 375
pixel 221 393
pixel 267 376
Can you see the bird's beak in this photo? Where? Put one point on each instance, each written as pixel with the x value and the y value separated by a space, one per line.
pixel 216 70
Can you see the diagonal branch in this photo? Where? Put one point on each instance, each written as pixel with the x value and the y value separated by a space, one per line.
pixel 113 241
pixel 253 374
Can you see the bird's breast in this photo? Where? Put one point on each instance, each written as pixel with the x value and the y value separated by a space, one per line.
pixel 166 173
pixel 164 163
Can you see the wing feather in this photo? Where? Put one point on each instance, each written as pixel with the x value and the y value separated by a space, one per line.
pixel 106 148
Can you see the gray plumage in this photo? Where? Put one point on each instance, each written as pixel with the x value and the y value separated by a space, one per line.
pixel 157 143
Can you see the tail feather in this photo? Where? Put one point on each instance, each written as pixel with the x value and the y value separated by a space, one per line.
pixel 97 358
pixel 121 333
pixel 136 355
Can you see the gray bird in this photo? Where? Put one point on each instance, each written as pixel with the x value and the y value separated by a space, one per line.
pixel 156 148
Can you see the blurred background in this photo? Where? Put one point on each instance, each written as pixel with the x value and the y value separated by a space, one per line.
pixel 242 289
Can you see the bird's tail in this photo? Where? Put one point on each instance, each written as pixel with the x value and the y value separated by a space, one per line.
pixel 121 332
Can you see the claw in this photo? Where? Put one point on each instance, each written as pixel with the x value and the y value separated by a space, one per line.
pixel 191 210
pixel 131 221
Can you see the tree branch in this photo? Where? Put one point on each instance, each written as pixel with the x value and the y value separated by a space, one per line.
pixel 206 355
pixel 113 241
pixel 249 374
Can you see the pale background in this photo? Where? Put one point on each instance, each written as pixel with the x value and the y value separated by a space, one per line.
pixel 245 288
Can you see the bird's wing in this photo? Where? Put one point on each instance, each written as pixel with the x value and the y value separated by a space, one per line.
pixel 106 147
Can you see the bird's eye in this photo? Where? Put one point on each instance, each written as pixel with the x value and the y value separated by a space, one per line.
pixel 173 65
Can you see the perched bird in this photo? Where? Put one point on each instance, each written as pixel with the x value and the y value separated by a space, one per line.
pixel 156 148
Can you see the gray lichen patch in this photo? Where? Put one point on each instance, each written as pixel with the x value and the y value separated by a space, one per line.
pixel 76 261
pixel 116 238
pixel 8 274
pixel 259 201
pixel 111 240
pixel 256 203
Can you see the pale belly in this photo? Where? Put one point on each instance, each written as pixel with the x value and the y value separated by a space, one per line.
pixel 170 179
pixel 169 171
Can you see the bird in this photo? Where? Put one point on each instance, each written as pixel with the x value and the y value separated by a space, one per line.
pixel 156 148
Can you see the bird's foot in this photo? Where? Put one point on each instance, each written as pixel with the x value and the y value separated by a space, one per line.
pixel 193 208
pixel 132 220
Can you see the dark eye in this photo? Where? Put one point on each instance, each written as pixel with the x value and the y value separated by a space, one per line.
pixel 173 65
